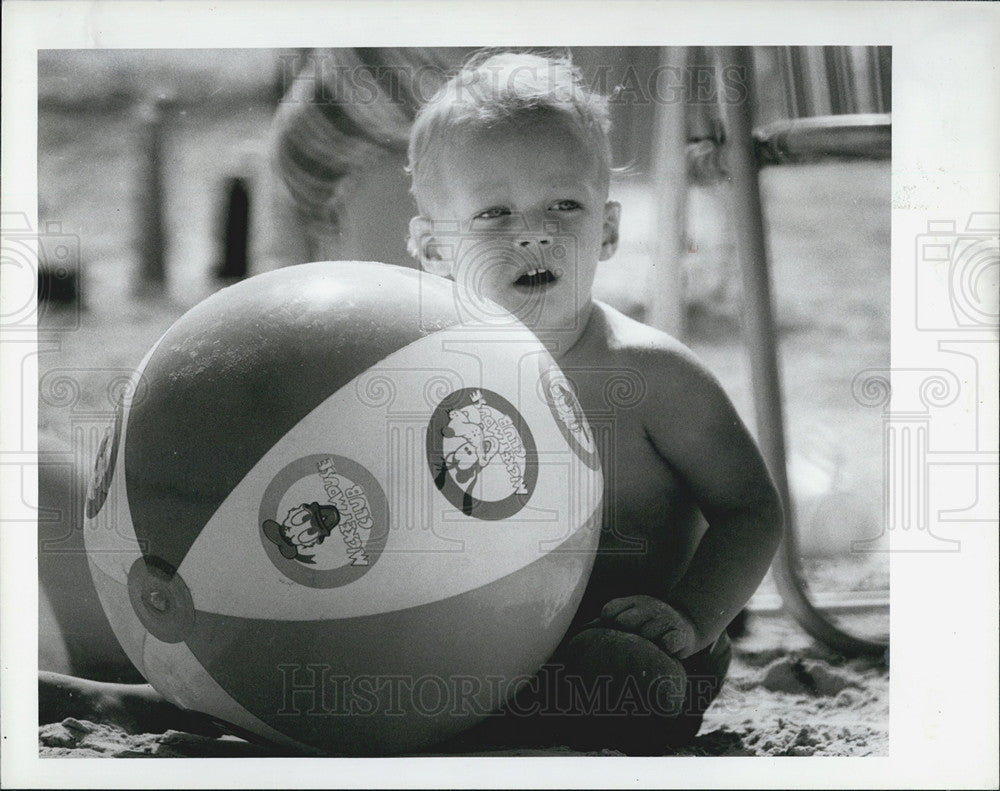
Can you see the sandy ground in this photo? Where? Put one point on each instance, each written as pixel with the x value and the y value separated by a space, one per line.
pixel 786 695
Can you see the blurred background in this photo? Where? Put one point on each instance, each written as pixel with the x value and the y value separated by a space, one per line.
pixel 154 166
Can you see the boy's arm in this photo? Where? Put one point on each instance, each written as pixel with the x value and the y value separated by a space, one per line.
pixel 696 429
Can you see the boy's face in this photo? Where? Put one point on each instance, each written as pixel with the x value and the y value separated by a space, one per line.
pixel 521 217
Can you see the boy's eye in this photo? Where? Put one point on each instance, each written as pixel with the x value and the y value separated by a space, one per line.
pixel 566 204
pixel 492 213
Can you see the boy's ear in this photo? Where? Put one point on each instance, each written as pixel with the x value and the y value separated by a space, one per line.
pixel 421 246
pixel 609 238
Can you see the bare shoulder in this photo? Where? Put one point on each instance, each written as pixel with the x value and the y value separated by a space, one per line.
pixel 659 358
pixel 684 411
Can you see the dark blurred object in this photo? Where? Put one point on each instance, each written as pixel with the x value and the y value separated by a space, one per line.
pixel 738 626
pixel 151 239
pixel 235 230
pixel 58 285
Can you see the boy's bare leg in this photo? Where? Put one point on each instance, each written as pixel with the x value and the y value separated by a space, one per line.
pixel 136 708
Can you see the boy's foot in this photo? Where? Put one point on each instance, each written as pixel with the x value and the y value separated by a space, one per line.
pixel 638 676
pixel 633 693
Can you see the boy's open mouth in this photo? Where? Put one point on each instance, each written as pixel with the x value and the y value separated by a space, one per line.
pixel 533 278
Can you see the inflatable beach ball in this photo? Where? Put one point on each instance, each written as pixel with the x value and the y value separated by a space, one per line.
pixel 332 514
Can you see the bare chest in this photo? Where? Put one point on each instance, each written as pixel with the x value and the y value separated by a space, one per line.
pixel 650 523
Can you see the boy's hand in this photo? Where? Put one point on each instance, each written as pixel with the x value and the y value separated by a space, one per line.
pixel 653 619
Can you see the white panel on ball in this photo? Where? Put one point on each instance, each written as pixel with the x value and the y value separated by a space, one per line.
pixel 230 572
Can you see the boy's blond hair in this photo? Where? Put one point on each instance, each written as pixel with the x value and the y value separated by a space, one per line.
pixel 510 88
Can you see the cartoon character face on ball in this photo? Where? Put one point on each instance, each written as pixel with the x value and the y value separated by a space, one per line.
pixel 305 526
pixel 474 450
pixel 463 459
pixel 101 467
pixel 568 413
pixel 100 478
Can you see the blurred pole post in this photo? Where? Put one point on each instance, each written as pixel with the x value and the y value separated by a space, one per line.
pixel 235 230
pixel 666 307
pixel 151 239
pixel 747 217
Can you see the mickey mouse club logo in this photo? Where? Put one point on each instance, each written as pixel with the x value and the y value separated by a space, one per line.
pixel 482 454
pixel 104 466
pixel 566 409
pixel 324 521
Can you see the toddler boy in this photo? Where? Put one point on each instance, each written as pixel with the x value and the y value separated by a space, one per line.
pixel 511 166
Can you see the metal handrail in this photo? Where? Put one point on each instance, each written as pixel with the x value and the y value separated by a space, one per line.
pixel 860 136
pixel 797 141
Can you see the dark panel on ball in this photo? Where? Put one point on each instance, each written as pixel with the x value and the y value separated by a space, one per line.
pixel 238 371
pixel 401 680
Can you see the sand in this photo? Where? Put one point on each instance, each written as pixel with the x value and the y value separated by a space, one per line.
pixel 785 696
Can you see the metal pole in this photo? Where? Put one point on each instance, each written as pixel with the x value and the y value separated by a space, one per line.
pixel 666 308
pixel 151 239
pixel 747 217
